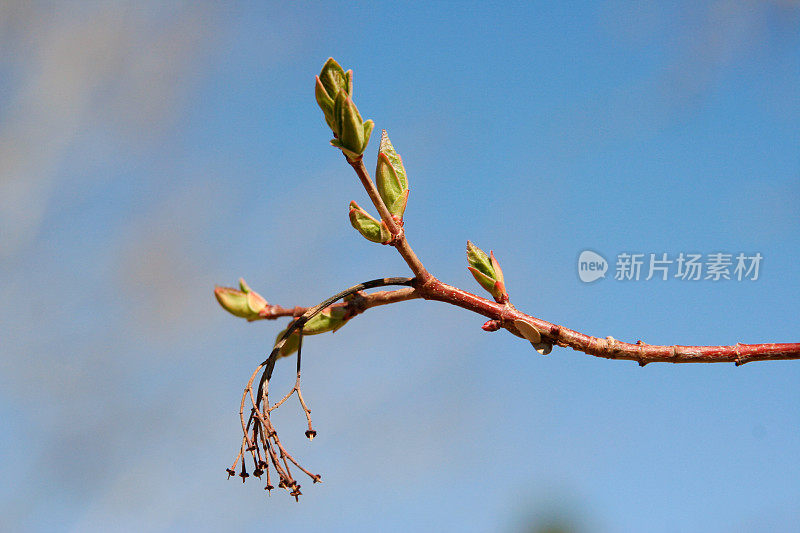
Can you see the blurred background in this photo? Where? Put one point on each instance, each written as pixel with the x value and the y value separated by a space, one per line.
pixel 149 151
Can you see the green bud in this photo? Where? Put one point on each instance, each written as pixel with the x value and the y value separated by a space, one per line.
pixel 243 303
pixel 291 344
pixel 390 177
pixel 351 126
pixel 478 260
pixel 487 272
pixel 334 90
pixel 372 229
pixel 325 103
pixel 331 80
pixel 330 319
pixel 244 286
pixel 351 130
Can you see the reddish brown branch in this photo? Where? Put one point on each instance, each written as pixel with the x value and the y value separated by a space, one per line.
pixel 608 347
pixel 271 312
pixel 360 303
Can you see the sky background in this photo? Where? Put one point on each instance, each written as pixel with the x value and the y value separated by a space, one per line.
pixel 150 151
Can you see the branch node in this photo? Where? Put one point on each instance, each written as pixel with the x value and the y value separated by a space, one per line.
pixel 641 360
pixel 396 237
pixel 611 342
pixel 739 360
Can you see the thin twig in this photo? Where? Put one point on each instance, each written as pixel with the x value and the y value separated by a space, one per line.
pixel 398 235
pixel 352 307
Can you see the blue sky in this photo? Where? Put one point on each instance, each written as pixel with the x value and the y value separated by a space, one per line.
pixel 149 152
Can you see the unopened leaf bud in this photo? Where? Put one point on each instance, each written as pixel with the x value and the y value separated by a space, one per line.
pixel 491 325
pixel 372 229
pixel 390 177
pixel 486 271
pixel 351 130
pixel 334 90
pixel 335 79
pixel 329 319
pixel 330 81
pixel 243 303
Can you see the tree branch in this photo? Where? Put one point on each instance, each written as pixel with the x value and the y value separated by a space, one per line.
pixel 398 235
pixel 351 134
pixel 608 347
pixel 431 288
pixel 311 312
pixel 360 303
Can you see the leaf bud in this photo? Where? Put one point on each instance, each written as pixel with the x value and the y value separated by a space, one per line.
pixel 352 133
pixel 391 179
pixel 332 79
pixel 372 229
pixel 487 272
pixel 243 303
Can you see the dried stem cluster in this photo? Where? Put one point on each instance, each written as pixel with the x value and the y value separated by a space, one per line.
pixel 260 439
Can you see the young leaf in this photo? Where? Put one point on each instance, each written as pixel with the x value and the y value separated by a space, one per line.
pixel 390 177
pixel 372 229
